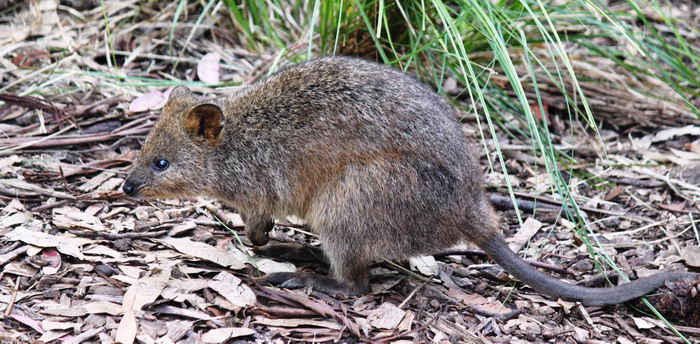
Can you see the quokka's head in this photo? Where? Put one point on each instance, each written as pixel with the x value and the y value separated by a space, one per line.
pixel 173 160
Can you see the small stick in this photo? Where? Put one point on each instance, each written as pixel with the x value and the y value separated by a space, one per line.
pixel 117 236
pixel 50 206
pixel 410 296
pixel 505 202
pixel 10 247
pixel 285 311
pixel 10 304
pixel 554 201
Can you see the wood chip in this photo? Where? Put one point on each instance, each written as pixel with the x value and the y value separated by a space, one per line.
pixel 386 316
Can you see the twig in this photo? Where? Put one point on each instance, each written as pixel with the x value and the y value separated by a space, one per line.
pixel 13 297
pixel 49 141
pixel 505 202
pixel 413 292
pixel 285 311
pixel 32 103
pixel 11 255
pixel 10 247
pixel 554 201
pixel 688 329
pixel 637 182
pixel 117 236
pixel 23 199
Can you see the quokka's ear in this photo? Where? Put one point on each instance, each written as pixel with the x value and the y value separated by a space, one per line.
pixel 180 91
pixel 205 121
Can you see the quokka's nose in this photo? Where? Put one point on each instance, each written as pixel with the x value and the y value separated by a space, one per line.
pixel 129 189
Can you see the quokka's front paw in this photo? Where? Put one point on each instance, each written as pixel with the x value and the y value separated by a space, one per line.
pixel 258 238
pixel 258 229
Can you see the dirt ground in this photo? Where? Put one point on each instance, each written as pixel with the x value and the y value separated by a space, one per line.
pixel 82 263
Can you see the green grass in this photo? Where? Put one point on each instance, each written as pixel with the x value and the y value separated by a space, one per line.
pixel 477 41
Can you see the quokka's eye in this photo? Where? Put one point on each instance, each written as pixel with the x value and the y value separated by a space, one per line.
pixel 161 164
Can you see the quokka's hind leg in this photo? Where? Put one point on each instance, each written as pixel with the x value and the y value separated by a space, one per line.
pixel 349 269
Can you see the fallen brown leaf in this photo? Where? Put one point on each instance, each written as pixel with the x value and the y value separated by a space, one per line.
pixel 232 288
pixel 232 258
pixel 208 68
pixel 63 243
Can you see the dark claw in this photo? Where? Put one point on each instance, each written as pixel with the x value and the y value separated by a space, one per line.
pixel 259 238
pixel 293 283
pixel 278 278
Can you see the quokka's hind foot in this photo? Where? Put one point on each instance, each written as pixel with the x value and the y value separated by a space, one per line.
pixel 322 283
pixel 295 253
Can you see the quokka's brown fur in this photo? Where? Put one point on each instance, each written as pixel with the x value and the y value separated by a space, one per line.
pixel 371 158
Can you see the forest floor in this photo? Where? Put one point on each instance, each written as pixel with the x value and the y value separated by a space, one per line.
pixel 83 263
